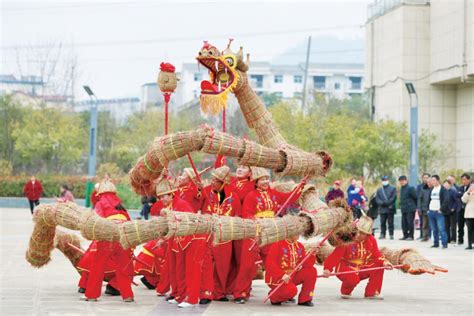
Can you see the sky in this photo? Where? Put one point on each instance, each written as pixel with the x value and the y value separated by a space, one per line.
pixel 120 44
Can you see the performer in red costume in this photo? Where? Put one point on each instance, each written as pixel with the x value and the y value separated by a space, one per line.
pixel 220 199
pixel 186 253
pixel 149 263
pixel 190 190
pixel 262 202
pixel 282 260
pixel 242 185
pixel 109 206
pixel 362 254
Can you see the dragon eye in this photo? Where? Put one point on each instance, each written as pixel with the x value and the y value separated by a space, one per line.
pixel 230 61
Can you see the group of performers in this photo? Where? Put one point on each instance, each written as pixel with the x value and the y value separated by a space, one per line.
pixel 193 269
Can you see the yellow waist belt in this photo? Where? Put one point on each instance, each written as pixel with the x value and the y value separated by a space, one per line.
pixel 265 214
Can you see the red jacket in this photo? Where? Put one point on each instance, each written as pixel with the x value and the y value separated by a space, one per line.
pixel 358 255
pixel 242 187
pixel 33 191
pixel 105 207
pixel 283 257
pixel 229 207
pixel 156 208
pixel 191 194
pixel 265 204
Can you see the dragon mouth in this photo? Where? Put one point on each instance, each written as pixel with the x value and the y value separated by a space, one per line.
pixel 221 76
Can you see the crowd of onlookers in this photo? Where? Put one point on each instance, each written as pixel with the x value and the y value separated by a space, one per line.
pixel 440 209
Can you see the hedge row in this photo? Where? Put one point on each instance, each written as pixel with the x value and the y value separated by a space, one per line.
pixel 12 186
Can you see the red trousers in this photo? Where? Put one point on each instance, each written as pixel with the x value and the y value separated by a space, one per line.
pixel 188 271
pixel 248 268
pixel 235 264
pixel 350 281
pixel 168 275
pixel 122 264
pixel 207 273
pixel 306 277
pixel 222 255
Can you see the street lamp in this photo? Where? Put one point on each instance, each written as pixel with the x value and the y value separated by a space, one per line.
pixel 92 145
pixel 413 133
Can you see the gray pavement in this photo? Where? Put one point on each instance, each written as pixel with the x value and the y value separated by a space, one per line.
pixel 52 290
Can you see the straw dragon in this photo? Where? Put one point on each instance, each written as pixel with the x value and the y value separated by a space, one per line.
pixel 227 71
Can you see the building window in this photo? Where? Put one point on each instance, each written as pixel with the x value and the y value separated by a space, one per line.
pixel 297 95
pixel 297 79
pixel 278 94
pixel 197 76
pixel 356 83
pixel 319 82
pixel 337 86
pixel 278 79
pixel 256 81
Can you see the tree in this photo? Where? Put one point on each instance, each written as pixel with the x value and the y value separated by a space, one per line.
pixel 50 141
pixel 11 114
pixel 431 154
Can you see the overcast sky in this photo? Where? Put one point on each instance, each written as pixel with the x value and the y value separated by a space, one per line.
pixel 120 44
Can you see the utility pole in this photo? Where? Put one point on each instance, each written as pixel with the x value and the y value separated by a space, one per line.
pixel 305 81
pixel 413 133
pixel 92 144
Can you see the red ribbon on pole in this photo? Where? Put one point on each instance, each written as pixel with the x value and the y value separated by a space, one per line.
pixel 299 265
pixel 167 97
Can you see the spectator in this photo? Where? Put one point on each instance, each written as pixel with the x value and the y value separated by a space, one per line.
pixel 468 199
pixel 423 204
pixel 335 193
pixel 450 215
pixel 33 190
pixel 351 188
pixel 452 181
pixel 66 194
pixel 147 202
pixel 385 198
pixel 408 202
pixel 466 181
pixel 438 199
pixel 357 198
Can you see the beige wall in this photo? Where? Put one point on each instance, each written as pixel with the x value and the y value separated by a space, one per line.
pixel 412 42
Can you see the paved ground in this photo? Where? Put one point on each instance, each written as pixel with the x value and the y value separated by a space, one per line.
pixel 52 289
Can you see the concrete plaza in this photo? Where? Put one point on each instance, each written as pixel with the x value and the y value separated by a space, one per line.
pixel 52 290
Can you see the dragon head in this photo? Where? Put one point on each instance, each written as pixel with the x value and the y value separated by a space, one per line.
pixel 225 73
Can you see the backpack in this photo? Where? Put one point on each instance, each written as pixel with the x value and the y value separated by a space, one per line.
pixel 373 211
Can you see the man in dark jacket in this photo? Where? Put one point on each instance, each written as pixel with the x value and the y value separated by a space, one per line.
pixel 424 191
pixel 464 187
pixel 385 198
pixel 437 208
pixel 450 215
pixel 408 202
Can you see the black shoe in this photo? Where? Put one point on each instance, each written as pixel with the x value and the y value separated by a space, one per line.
pixel 204 301
pixel 467 248
pixel 81 290
pixel 435 246
pixel 445 247
pixel 403 238
pixel 276 303
pixel 169 298
pixel 291 300
pixel 409 238
pixel 382 237
pixel 425 239
pixel 239 300
pixel 419 238
pixel 391 237
pixel 308 303
pixel 460 242
pixel 147 284
pixel 221 299
pixel 110 290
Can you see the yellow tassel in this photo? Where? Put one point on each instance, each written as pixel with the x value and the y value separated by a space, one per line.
pixel 213 104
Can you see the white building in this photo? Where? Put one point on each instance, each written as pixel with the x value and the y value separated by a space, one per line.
pixel 30 85
pixel 429 43
pixel 120 108
pixel 335 80
pixel 151 96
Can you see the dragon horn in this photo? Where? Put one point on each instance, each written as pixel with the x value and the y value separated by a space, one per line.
pixel 230 42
